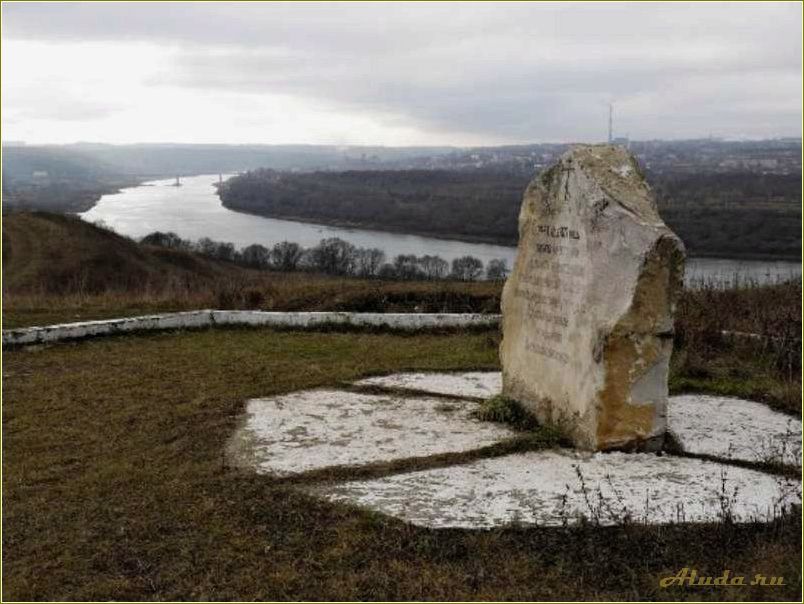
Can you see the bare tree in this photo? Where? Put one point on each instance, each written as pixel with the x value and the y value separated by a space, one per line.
pixel 334 256
pixel 255 255
pixel 169 239
pixel 407 267
pixel 225 251
pixel 497 270
pixel 467 268
pixel 285 256
pixel 433 267
pixel 369 261
pixel 219 250
pixel 205 246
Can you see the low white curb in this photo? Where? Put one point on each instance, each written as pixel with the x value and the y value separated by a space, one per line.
pixel 208 318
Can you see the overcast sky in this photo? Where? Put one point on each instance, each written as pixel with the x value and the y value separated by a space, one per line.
pixel 397 73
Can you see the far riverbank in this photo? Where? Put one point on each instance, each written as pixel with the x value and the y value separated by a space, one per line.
pixel 468 238
pixel 194 210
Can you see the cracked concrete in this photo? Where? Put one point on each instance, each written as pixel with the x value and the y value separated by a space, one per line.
pixel 725 427
pixel 549 488
pixel 733 428
pixel 473 384
pixel 310 430
pixel 316 429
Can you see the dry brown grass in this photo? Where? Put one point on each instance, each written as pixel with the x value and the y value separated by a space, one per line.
pixel 45 255
pixel 58 268
pixel 767 367
pixel 257 291
pixel 115 487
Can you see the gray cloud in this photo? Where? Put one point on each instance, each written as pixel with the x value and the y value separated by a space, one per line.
pixel 515 72
pixel 57 102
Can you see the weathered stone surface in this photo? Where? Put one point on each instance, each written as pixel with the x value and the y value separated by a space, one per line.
pixel 211 318
pixel 550 488
pixel 732 428
pixel 723 427
pixel 314 429
pixel 588 308
pixel 472 384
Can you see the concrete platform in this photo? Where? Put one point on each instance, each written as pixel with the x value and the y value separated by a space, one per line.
pixel 733 428
pixel 551 488
pixel 474 384
pixel 316 429
pixel 725 427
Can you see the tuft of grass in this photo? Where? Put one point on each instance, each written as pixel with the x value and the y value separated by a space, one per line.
pixel 503 410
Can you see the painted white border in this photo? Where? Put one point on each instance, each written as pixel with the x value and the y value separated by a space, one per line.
pixel 210 318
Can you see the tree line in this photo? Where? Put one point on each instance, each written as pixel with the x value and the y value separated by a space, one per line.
pixel 728 214
pixel 334 256
pixel 481 205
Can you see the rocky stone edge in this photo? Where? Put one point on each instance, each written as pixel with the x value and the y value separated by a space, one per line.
pixel 211 318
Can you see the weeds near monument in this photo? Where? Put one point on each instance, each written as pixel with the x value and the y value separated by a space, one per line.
pixel 504 410
pixel 744 341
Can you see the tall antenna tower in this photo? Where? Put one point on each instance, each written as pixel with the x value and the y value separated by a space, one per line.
pixel 611 119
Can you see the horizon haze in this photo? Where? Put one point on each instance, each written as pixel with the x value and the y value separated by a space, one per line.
pixel 394 74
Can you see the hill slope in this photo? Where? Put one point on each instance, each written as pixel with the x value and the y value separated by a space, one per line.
pixel 52 253
pixel 56 179
pixel 58 268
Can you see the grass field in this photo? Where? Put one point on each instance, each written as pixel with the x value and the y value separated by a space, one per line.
pixel 705 360
pixel 115 484
pixel 115 487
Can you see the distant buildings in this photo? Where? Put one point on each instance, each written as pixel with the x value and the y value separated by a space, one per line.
pixel 40 178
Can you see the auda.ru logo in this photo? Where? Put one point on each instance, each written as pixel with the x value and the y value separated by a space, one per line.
pixel 691 578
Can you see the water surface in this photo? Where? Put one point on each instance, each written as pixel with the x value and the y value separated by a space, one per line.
pixel 194 210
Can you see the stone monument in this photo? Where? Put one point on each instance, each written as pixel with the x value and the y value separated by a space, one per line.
pixel 588 308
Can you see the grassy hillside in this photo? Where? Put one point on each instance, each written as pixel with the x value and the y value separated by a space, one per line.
pixel 58 268
pixel 56 179
pixel 57 254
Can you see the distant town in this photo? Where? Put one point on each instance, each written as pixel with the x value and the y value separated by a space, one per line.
pixel 731 199
pixel 774 156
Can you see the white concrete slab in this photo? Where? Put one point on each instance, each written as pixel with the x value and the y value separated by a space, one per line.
pixel 86 329
pixel 315 429
pixel 733 428
pixel 478 384
pixel 548 488
pixel 402 321
pixel 725 427
pixel 209 318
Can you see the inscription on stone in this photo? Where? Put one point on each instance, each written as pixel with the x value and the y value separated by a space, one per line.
pixel 587 311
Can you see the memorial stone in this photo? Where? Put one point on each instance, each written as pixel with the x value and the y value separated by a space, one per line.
pixel 588 308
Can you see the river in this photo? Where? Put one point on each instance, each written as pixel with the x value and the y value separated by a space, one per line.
pixel 194 210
